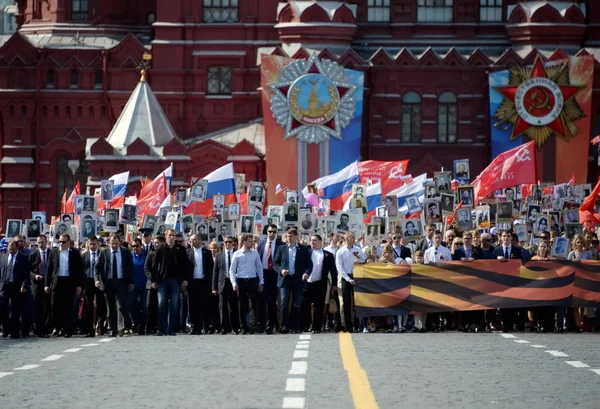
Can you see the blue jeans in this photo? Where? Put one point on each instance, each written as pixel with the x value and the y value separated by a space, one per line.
pixel 292 286
pixel 138 309
pixel 168 294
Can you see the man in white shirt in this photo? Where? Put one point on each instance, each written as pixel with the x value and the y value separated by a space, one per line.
pixel 199 287
pixel 437 253
pixel 323 264
pixel 427 241
pixel 345 259
pixel 246 275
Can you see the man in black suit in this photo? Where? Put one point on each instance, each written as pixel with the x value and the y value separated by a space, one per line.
pixel 268 299
pixel 114 274
pixel 64 281
pixel 38 260
pixel 316 288
pixel 467 250
pixel 170 271
pixel 199 287
pixel 152 295
pixel 90 261
pixel 294 266
pixel 426 241
pixel 400 251
pixel 221 285
pixel 510 316
pixel 14 284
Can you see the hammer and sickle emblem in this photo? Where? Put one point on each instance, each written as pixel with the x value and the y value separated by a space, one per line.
pixel 396 172
pixel 523 155
pixel 537 102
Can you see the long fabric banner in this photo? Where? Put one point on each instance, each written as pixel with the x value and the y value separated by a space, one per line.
pixel 388 289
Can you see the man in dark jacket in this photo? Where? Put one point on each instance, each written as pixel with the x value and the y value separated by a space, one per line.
pixel 14 284
pixel 171 271
pixel 199 288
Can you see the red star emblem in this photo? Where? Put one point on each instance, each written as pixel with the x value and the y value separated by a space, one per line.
pixel 539 101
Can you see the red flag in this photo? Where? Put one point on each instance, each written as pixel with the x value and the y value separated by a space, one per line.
pixel 70 205
pixel 596 140
pixel 152 196
pixel 390 174
pixel 587 211
pixel 63 202
pixel 511 168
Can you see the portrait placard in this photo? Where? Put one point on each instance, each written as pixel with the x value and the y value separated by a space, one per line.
pixel 411 229
pixel 466 196
pixel 482 217
pixel 198 191
pixel 33 228
pixel 442 182
pixel 560 247
pixel 107 190
pixel 359 190
pixel 504 212
pixel 111 220
pixel 447 204
pixel 290 212
pixel 372 237
pixel 247 224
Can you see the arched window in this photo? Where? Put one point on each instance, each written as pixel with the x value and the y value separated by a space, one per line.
pixel 74 79
pixel 411 118
pixel 447 118
pixel 50 78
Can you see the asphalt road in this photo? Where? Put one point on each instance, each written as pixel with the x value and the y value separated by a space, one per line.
pixel 324 371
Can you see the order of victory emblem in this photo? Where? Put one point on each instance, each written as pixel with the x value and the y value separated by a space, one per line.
pixel 540 101
pixel 313 100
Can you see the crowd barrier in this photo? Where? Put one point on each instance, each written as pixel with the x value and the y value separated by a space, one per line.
pixel 388 289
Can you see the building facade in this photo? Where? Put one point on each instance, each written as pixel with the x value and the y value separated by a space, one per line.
pixel 68 72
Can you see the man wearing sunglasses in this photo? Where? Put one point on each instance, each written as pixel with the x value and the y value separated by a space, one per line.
pixel 199 288
pixel 400 251
pixel 64 280
pixel 268 299
pixel 221 285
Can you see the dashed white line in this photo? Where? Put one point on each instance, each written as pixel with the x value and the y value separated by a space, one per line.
pixel 26 367
pixel 521 341
pixel 3 374
pixel 304 342
pixel 300 354
pixel 305 337
pixel 293 403
pixel 52 358
pixel 538 346
pixel 507 335
pixel 72 350
pixel 596 371
pixel 295 385
pixel 90 345
pixel 558 354
pixel 302 346
pixel 577 364
pixel 298 368
pixel 106 340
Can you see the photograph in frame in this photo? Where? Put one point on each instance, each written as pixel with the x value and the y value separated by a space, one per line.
pixel 188 225
pixel 111 220
pixel 107 190
pixel 33 228
pixel 61 228
pixel 233 211
pixel 560 247
pixel 342 224
pixel 359 190
pixel 171 219
pixel 431 208
pixel 201 230
pixel 521 232
pixel 150 222
pixel 571 229
pixel 359 203
pixel 67 218
pixel 372 237
pixel 391 204
pixel 290 212
pixel 307 222
pixel 224 229
pixel 39 215
pixel 247 224
pixel 198 191
pixel 466 196
pixel 129 214
pixel 412 202
pixel 87 228
pixel 411 229
pixel 541 225
pixel 463 219
pixel 442 182
pixel 381 211
pixel 382 222
pixel 256 193
pixel 482 217
pixel 291 196
pixel 160 229
pixel 570 216
pixel 462 169
pixel 218 203
pixel 504 212
pixel 447 204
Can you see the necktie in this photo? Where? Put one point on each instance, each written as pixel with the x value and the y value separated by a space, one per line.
pixel 506 252
pixel 228 260
pixel 396 252
pixel 269 257
pixel 12 267
pixel 93 263
pixel 114 264
pixel 43 263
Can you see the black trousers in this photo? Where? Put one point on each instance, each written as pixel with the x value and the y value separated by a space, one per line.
pixel 198 303
pixel 268 300
pixel 247 297
pixel 11 322
pixel 228 308
pixel 314 295
pixel 152 304
pixel 512 316
pixel 61 300
pixel 115 293
pixel 348 297
pixel 41 302
pixel 93 293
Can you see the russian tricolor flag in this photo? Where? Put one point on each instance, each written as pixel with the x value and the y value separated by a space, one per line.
pixel 220 182
pixel 414 188
pixel 120 188
pixel 373 198
pixel 337 187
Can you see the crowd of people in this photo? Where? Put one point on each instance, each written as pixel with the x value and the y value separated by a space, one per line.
pixel 283 282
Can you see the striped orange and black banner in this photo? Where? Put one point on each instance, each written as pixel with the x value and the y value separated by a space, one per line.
pixel 386 289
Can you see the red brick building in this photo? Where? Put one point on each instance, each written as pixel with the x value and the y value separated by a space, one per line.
pixel 67 74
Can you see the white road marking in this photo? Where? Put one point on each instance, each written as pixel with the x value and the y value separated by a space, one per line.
pixel 26 367
pixel 577 364
pixel 596 371
pixel 304 337
pixel 304 342
pixel 521 341
pixel 302 346
pixel 106 340
pixel 557 354
pixel 72 350
pixel 3 374
pixel 300 354
pixel 538 346
pixel 90 345
pixel 293 403
pixel 53 358
pixel 295 385
pixel 298 368
pixel 507 335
